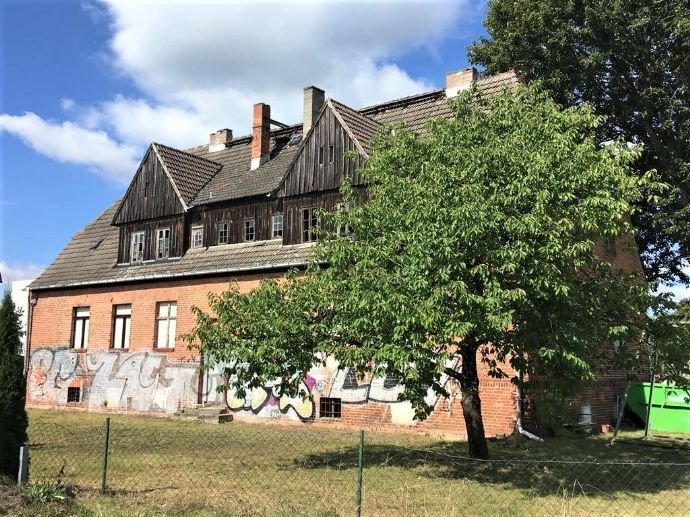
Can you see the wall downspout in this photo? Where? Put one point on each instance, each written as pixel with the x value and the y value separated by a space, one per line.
pixel 518 407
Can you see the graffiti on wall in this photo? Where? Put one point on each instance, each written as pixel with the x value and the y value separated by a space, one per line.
pixel 138 381
pixel 149 382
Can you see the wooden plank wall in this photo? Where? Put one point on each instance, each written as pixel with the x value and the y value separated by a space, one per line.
pixel 261 210
pixel 307 175
pixel 150 228
pixel 161 199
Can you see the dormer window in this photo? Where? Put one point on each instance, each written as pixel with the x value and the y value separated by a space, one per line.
pixel 223 233
pixel 197 236
pixel 310 221
pixel 163 243
pixel 277 224
pixel 249 229
pixel 137 248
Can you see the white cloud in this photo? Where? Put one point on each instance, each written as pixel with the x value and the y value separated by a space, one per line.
pixel 71 143
pixel 201 66
pixel 12 272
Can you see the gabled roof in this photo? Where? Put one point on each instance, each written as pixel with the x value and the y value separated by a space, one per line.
pixel 200 177
pixel 82 263
pixel 361 128
pixel 189 172
pixel 236 179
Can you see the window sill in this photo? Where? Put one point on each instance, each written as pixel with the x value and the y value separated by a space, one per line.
pixel 164 350
pixel 113 349
pixel 80 350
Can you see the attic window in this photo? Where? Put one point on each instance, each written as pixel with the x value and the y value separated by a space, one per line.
pixel 249 229
pixel 197 237
pixel 321 155
pixel 223 232
pixel 137 248
pixel 331 154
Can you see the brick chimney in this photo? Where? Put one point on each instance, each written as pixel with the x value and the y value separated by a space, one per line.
pixel 261 134
pixel 313 102
pixel 218 140
pixel 459 81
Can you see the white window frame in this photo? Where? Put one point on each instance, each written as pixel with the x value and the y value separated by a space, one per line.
pixel 166 324
pixel 80 327
pixel 136 249
pixel 163 251
pixel 122 326
pixel 248 226
pixel 223 228
pixel 309 224
pixel 197 231
pixel 277 226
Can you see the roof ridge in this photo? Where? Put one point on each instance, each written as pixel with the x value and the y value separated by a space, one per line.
pixel 246 138
pixel 197 157
pixel 418 97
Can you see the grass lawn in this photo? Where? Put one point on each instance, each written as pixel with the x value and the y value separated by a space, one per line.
pixel 165 466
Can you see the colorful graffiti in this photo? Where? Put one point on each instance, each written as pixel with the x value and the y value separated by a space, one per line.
pixel 268 401
pixel 139 381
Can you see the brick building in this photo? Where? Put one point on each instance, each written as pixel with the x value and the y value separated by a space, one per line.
pixel 106 315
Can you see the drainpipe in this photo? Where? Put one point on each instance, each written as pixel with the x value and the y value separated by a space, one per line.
pixel 29 322
pixel 518 407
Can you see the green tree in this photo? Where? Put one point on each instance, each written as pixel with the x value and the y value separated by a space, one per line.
pixel 12 389
pixel 629 60
pixel 475 243
pixel 667 340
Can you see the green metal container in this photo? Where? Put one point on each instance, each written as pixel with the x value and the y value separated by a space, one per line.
pixel 670 406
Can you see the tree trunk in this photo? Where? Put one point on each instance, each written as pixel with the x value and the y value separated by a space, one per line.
pixel 471 403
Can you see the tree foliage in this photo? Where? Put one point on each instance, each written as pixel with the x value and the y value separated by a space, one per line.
pixel 667 340
pixel 12 389
pixel 474 243
pixel 629 60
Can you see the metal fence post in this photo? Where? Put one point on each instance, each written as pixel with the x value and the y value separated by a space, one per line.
pixel 23 465
pixel 360 472
pixel 105 455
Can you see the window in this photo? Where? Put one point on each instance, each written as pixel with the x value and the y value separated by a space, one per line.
pixel 137 251
pixel 249 229
pixel 331 154
pixel 610 245
pixel 166 321
pixel 146 188
pixel 223 233
pixel 80 327
pixel 197 236
pixel 344 230
pixel 163 243
pixel 277 226
pixel 73 395
pixel 122 322
pixel 309 224
pixel 329 407
pixel 321 155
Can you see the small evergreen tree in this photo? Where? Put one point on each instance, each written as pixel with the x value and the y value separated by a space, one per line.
pixel 13 419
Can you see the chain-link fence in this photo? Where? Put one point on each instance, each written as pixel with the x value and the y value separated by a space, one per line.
pixel 171 466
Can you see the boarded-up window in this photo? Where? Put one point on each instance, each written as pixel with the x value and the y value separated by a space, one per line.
pixel 80 327
pixel 122 323
pixel 166 323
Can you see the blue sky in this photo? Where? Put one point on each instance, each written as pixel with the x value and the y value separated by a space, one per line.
pixel 87 85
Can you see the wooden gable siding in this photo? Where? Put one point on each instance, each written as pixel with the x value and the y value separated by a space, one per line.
pixel 261 210
pixel 306 175
pixel 292 207
pixel 150 229
pixel 161 199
